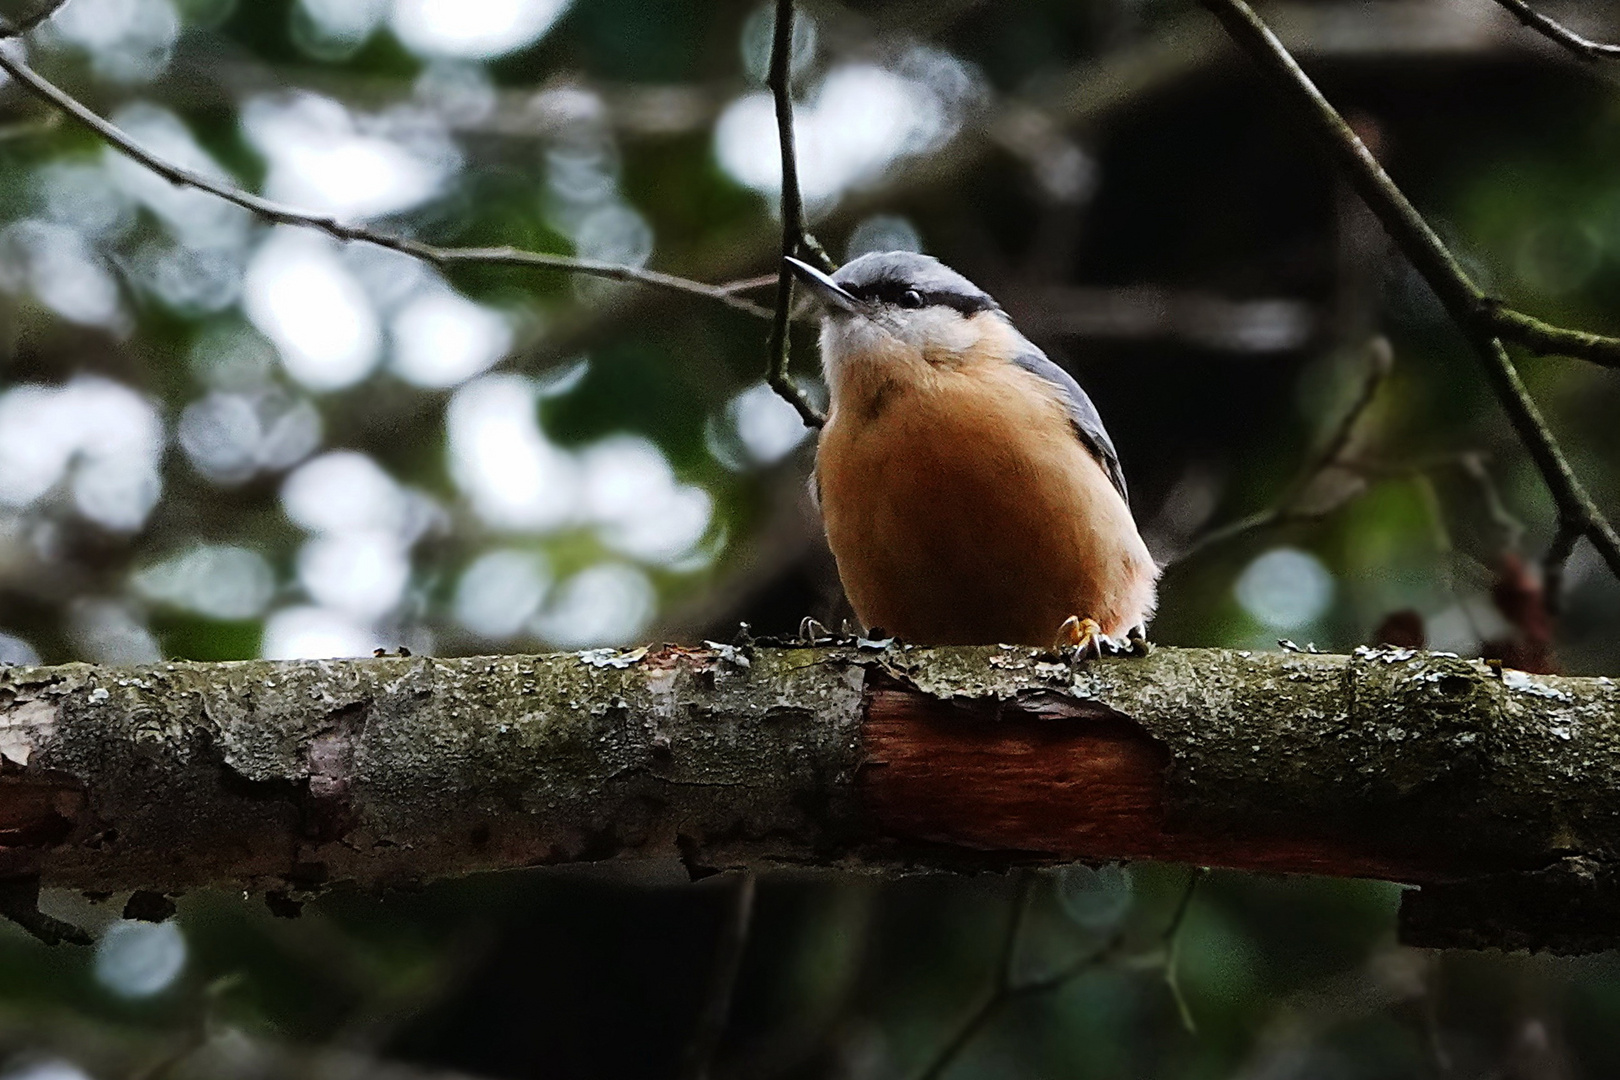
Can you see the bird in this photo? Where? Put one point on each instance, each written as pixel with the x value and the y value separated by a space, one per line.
pixel 969 491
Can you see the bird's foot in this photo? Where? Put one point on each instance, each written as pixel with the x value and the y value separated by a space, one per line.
pixel 1081 638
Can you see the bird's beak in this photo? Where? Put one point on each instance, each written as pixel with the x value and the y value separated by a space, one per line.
pixel 827 291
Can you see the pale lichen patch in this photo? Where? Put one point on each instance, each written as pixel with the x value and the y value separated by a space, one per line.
pixel 1524 684
pixel 24 728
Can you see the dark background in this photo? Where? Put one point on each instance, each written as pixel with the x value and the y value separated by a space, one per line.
pixel 201 457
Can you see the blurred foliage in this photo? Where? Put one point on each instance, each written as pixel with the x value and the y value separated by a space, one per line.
pixel 206 452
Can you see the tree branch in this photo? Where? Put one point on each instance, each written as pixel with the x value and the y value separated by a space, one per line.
pixel 1005 988
pixel 287 776
pixel 1467 305
pixel 1092 95
pixel 278 214
pixel 1559 34
pixel 1001 987
pixel 1554 563
pixel 711 1021
pixel 1545 339
pixel 794 237
pixel 1330 455
pixel 11 29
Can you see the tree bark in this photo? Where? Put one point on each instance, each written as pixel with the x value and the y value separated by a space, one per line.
pixel 1492 790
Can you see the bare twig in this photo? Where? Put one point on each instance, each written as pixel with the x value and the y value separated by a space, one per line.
pixel 1554 563
pixel 780 80
pixel 286 215
pixel 10 28
pixel 1583 47
pixel 1172 948
pixel 1433 1033
pixel 711 1021
pixel 1092 95
pixel 1005 989
pixel 1545 339
pixel 1000 991
pixel 1473 312
pixel 1474 467
pixel 794 237
pixel 749 284
pixel 1330 455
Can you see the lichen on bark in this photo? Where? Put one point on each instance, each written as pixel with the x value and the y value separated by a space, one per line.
pixel 1418 767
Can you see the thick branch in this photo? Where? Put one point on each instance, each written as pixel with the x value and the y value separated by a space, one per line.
pixel 285 776
pixel 278 214
pixel 1468 307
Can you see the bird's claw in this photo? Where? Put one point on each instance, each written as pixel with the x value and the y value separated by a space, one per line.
pixel 811 630
pixel 1081 638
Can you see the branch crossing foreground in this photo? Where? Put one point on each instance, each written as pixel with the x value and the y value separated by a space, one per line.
pixel 1491 789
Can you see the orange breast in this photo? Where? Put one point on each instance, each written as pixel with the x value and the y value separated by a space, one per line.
pixel 962 509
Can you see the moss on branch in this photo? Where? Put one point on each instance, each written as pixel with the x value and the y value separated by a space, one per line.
pixel 1415 767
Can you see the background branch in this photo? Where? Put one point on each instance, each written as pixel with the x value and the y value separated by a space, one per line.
pixel 1329 455
pixel 1005 987
pixel 278 214
pixel 1545 339
pixel 711 1021
pixel 1423 247
pixel 794 237
pixel 1583 47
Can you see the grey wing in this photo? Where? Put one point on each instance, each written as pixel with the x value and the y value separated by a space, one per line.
pixel 1083 414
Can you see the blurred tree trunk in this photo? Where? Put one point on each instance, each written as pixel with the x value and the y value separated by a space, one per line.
pixel 1493 790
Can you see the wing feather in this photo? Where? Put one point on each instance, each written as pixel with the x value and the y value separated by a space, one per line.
pixel 1083 415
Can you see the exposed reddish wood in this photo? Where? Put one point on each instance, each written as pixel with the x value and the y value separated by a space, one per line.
pixel 1077 786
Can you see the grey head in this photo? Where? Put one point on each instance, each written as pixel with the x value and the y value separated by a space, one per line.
pixel 890 282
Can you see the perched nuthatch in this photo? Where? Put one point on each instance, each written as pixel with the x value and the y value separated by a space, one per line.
pixel 970 492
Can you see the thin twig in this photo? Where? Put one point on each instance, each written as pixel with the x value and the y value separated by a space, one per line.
pixel 1554 563
pixel 780 81
pixel 748 284
pixel 1172 949
pixel 1380 363
pixel 1545 339
pixel 11 29
pixel 286 215
pixel 1433 1033
pixel 1583 47
pixel 711 1021
pixel 794 237
pixel 1474 467
pixel 1467 305
pixel 1006 989
pixel 1000 991
pixel 1329 455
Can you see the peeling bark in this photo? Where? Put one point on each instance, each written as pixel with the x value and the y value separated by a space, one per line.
pixel 1494 791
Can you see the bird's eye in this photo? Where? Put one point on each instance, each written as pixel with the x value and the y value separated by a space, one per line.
pixel 911 298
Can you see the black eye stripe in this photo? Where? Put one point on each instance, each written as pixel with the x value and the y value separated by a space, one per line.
pixel 892 292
